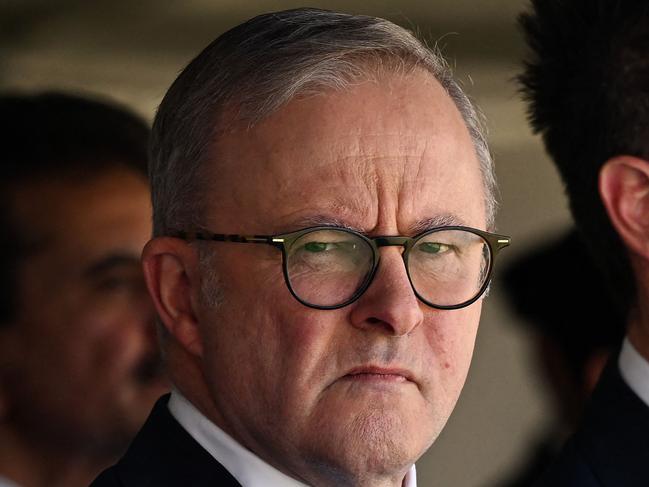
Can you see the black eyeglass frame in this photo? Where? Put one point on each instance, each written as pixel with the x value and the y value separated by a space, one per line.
pixel 495 242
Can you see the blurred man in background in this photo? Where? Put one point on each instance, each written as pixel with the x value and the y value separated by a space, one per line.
pixel 79 368
pixel 587 81
pixel 552 290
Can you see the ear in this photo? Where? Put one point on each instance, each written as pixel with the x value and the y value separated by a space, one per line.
pixel 624 188
pixel 171 272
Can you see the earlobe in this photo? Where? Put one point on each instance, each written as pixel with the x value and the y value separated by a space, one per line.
pixel 624 188
pixel 169 268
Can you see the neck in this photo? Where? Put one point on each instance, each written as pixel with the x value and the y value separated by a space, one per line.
pixel 38 465
pixel 354 481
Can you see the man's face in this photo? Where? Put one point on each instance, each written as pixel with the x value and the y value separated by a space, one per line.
pixel 80 367
pixel 362 390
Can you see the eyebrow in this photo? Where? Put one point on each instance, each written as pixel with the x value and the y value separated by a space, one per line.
pixel 322 220
pixel 110 262
pixel 444 220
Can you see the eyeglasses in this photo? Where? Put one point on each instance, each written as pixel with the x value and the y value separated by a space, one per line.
pixel 331 267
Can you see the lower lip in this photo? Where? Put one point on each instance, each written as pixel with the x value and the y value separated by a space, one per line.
pixel 378 378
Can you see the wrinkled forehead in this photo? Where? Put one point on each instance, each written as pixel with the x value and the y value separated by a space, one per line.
pixel 378 146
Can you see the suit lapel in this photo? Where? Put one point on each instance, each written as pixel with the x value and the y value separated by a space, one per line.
pixel 615 437
pixel 164 454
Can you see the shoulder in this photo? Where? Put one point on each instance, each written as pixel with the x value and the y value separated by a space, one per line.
pixel 108 478
pixel 570 469
pixel 611 446
pixel 163 454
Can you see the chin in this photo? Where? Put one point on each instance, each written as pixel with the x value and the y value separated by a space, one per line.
pixel 377 441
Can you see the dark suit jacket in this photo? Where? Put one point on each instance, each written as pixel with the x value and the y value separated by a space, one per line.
pixel 163 454
pixel 611 447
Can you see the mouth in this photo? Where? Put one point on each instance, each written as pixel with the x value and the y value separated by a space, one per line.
pixel 379 375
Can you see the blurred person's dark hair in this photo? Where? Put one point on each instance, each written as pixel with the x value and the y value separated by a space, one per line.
pixel 587 84
pixel 54 136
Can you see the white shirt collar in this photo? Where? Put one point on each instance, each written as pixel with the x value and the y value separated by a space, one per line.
pixel 634 369
pixel 243 465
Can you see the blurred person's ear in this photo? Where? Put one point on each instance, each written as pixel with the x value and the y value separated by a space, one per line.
pixel 171 271
pixel 624 188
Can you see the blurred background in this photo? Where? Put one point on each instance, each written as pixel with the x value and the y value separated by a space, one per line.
pixel 132 51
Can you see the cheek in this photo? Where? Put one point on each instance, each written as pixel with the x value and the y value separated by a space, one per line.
pixel 82 356
pixel 73 333
pixel 272 350
pixel 450 343
pixel 105 341
pixel 310 357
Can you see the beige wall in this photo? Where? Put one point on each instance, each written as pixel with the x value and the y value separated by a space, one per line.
pixel 133 50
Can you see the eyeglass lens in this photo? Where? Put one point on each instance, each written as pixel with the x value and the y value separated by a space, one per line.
pixel 328 267
pixel 449 267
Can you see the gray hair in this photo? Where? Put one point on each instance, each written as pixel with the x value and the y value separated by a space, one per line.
pixel 260 65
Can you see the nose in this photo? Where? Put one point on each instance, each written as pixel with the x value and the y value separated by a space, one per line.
pixel 143 314
pixel 389 304
pixel 149 322
pixel 149 319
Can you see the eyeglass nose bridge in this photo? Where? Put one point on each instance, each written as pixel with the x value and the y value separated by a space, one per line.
pixel 385 241
pixel 392 241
